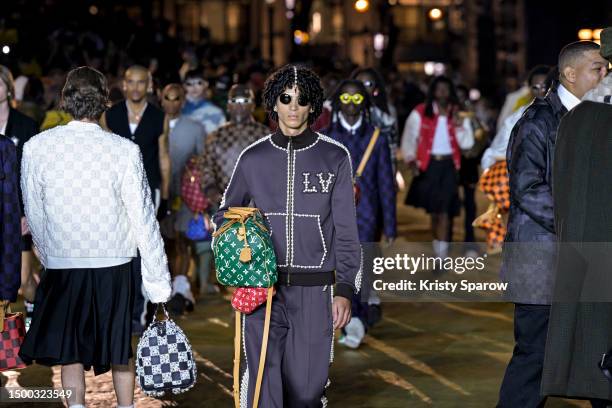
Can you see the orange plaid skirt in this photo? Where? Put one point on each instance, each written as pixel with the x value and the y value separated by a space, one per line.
pixel 495 184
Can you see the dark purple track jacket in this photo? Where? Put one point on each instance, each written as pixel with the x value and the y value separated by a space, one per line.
pixel 304 187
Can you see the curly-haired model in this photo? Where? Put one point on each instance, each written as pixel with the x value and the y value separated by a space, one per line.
pixel 287 77
pixel 85 94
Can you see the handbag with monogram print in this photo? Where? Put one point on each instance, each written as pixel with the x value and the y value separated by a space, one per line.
pixel 243 250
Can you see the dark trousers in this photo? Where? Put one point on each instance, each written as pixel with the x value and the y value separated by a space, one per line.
pixel 469 204
pixel 521 384
pixel 139 310
pixel 299 347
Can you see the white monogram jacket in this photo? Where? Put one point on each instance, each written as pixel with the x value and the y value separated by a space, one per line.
pixel 86 195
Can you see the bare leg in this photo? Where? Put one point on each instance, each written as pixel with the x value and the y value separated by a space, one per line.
pixel 123 380
pixel 73 379
pixel 28 284
pixel 182 255
pixel 434 226
pixel 442 227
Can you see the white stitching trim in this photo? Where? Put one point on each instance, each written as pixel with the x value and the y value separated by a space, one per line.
pixel 236 165
pixel 308 147
pixel 359 276
pixel 296 150
pixel 331 351
pixel 277 146
pixel 318 217
pixel 244 384
pixel 287 251
pixel 335 142
pixel 293 207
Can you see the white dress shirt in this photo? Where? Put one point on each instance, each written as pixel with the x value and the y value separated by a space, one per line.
pixel 351 128
pixel 441 142
pixel 568 99
pixel 499 145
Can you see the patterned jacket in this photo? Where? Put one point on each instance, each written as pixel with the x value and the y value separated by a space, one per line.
pixel 10 230
pixel 86 195
pixel 221 152
pixel 528 257
pixel 304 187
pixel 376 208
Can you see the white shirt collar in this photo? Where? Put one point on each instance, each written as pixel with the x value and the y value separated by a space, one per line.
pixel 568 99
pixel 348 127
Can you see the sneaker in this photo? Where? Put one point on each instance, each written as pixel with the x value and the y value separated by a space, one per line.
pixel 471 253
pixel 355 332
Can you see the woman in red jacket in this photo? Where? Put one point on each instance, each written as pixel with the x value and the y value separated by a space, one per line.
pixel 431 144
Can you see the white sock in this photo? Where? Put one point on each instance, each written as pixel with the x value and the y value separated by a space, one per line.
pixel 76 406
pixel 443 245
pixel 125 406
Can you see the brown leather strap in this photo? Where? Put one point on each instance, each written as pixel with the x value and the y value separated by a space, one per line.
pixel 368 152
pixel 264 346
pixel 237 338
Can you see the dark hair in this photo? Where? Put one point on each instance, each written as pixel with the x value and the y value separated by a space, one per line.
pixel 574 51
pixel 537 70
pixel 430 97
pixel 552 78
pixel 308 84
pixel 85 94
pixel 335 98
pixel 194 74
pixel 379 100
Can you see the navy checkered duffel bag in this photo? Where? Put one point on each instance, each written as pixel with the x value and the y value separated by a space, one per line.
pixel 164 359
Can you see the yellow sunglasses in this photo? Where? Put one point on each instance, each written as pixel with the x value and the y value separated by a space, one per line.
pixel 347 98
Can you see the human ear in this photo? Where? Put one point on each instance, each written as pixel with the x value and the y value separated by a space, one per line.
pixel 569 73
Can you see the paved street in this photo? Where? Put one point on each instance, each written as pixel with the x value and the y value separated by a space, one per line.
pixel 421 355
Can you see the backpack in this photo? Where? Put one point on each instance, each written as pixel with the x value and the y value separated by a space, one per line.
pixel 191 191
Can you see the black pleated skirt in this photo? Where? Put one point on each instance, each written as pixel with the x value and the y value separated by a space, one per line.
pixel 82 316
pixel 436 190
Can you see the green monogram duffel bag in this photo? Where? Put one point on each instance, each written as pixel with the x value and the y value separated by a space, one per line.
pixel 243 250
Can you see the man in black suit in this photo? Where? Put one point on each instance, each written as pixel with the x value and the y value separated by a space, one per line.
pixel 145 125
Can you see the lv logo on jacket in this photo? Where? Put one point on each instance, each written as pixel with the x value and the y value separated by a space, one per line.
pixel 325 181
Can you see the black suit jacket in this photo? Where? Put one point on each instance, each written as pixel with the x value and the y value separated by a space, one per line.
pixel 146 136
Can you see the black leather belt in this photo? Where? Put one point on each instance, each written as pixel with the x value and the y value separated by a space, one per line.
pixel 306 279
pixel 440 157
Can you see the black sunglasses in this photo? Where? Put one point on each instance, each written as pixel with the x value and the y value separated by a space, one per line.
pixel 286 99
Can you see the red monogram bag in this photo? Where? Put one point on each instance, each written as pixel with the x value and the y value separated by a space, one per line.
pixel 246 300
pixel 11 338
pixel 191 191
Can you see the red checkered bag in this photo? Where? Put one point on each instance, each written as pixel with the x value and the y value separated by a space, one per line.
pixel 246 300
pixel 11 338
pixel 191 190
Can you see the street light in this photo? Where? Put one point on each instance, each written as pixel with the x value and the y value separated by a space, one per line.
pixel 597 34
pixel 435 14
pixel 6 49
pixel 362 6
pixel 585 34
